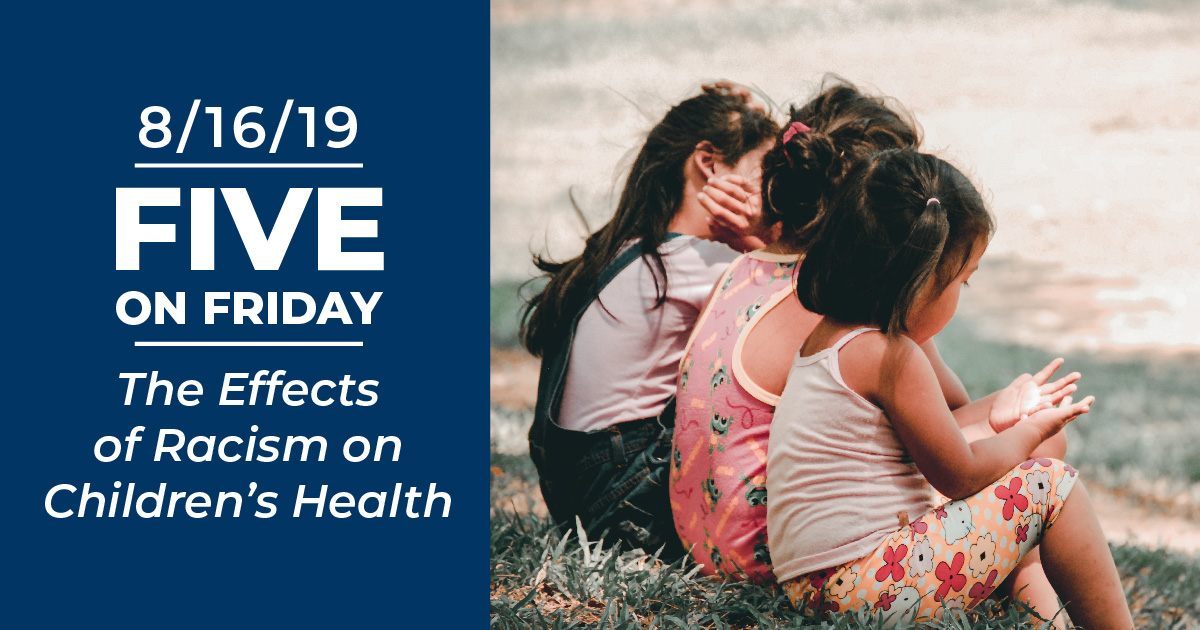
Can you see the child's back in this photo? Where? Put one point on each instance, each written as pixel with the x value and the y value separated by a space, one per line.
pixel 846 472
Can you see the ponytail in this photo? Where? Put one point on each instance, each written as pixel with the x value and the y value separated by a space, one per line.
pixel 902 223
pixel 921 252
pixel 795 177
pixel 826 138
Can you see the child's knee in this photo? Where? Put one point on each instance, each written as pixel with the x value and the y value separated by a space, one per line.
pixel 1046 483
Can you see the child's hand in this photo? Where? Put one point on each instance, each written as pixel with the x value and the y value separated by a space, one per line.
pixel 1051 420
pixel 735 89
pixel 1014 403
pixel 1055 392
pixel 734 205
pixel 1029 394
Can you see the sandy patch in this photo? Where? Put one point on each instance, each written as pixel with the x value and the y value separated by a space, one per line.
pixel 1048 306
pixel 514 379
pixel 1126 520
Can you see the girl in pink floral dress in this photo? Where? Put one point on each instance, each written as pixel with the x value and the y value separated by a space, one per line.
pixel 725 405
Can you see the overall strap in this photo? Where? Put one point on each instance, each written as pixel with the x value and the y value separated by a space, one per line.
pixel 554 364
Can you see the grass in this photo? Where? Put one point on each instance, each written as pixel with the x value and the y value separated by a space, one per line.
pixel 506 300
pixel 545 578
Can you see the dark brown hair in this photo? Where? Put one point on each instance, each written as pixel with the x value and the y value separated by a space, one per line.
pixel 883 239
pixel 652 194
pixel 845 125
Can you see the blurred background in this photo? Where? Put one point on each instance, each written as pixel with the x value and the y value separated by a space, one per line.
pixel 1080 122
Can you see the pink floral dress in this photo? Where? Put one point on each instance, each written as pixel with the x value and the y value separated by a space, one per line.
pixel 719 455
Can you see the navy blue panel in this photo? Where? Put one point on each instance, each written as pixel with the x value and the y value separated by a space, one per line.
pixel 75 87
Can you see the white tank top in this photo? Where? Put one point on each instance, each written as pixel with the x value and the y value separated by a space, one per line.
pixel 837 473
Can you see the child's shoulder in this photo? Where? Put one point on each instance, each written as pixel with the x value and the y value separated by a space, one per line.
pixel 864 359
pixel 688 253
pixel 874 342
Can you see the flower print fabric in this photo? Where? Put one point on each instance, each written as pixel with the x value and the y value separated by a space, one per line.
pixel 952 557
pixel 718 460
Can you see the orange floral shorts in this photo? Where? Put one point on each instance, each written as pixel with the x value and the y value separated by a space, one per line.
pixel 951 557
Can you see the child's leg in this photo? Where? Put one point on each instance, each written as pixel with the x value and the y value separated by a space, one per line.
pixel 1030 585
pixel 614 479
pixel 1080 565
pixel 955 556
pixel 1029 582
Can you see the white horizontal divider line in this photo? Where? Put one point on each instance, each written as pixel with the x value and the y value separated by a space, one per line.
pixel 247 165
pixel 246 343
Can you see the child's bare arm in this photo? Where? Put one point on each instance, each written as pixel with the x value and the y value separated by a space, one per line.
pixel 907 390
pixel 992 413
pixel 952 387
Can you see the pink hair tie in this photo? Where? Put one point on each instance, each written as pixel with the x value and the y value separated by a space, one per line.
pixel 793 129
pixel 932 200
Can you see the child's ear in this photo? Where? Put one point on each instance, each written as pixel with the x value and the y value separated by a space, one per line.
pixel 705 158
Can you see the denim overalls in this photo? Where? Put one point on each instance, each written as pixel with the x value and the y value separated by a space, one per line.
pixel 613 479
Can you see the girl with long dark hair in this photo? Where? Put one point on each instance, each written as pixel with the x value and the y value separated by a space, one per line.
pixel 611 324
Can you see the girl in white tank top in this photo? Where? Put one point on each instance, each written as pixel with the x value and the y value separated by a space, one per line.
pixel 862 431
